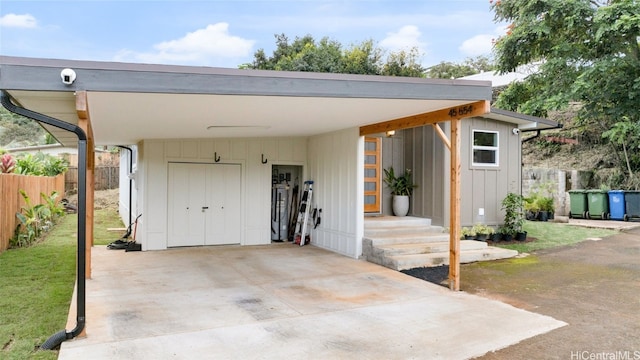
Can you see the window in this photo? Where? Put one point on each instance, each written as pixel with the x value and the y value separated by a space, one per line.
pixel 485 148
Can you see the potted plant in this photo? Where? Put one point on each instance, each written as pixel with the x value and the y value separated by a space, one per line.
pixel 401 189
pixel 482 231
pixel 513 205
pixel 546 208
pixel 468 233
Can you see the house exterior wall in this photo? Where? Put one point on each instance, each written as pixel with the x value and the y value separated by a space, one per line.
pixel 336 165
pixel 424 154
pixel 124 187
pixel 485 187
pixel 152 175
pixel 482 187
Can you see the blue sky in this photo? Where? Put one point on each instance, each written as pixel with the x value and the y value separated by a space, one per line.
pixel 227 33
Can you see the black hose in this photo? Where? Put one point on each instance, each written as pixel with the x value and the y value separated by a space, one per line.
pixel 56 339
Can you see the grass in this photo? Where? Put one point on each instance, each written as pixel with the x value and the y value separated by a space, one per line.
pixel 550 234
pixel 37 283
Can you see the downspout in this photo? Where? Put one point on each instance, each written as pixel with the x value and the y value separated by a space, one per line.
pixel 130 180
pixel 56 339
pixel 537 135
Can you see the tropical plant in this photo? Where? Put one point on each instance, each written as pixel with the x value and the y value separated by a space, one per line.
pixel 55 208
pixel 7 164
pixel 30 218
pixel 399 185
pixel 35 219
pixel 513 206
pixel 467 232
pixel 483 229
pixel 40 164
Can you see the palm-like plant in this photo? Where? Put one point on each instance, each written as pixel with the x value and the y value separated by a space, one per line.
pixel 399 185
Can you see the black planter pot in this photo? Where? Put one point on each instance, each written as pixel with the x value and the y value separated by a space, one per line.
pixel 521 236
pixel 496 237
pixel 482 237
pixel 507 237
pixel 543 215
pixel 469 237
pixel 531 215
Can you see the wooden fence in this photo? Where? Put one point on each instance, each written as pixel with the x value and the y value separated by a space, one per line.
pixel 11 201
pixel 107 171
pixel 106 177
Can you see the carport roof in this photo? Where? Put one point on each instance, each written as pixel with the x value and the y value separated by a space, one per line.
pixel 130 102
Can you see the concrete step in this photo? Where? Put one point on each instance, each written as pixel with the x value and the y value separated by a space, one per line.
pixel 425 248
pixel 385 221
pixel 409 238
pixel 410 261
pixel 402 243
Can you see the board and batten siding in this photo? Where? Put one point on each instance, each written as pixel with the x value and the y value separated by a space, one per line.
pixel 484 186
pixel 481 186
pixel 336 165
pixel 424 154
pixel 152 173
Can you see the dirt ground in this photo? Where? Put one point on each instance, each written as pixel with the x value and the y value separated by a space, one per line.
pixel 593 286
pixel 103 199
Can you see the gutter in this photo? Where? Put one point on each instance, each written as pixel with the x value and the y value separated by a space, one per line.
pixel 56 339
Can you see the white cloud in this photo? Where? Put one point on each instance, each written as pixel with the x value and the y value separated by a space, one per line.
pixel 405 38
pixel 481 44
pixel 18 21
pixel 201 47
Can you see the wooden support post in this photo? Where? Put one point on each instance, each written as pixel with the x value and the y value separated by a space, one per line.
pixel 442 135
pixel 454 213
pixel 84 123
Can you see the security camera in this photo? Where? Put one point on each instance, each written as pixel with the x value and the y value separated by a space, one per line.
pixel 515 131
pixel 68 76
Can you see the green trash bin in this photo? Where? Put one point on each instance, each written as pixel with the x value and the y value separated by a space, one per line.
pixel 598 204
pixel 579 205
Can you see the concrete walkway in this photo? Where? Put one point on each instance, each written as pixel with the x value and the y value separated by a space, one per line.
pixel 282 302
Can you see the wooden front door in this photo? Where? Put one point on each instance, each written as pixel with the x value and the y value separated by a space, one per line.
pixel 372 176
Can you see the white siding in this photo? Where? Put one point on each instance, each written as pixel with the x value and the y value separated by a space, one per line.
pixel 336 164
pixel 124 181
pixel 153 159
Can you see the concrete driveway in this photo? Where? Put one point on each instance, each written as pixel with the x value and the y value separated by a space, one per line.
pixel 282 302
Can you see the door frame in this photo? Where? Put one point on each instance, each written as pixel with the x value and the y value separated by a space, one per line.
pixel 375 208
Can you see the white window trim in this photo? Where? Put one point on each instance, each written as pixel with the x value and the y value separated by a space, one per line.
pixel 492 148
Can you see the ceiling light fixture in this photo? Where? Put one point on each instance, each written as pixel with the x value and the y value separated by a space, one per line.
pixel 238 127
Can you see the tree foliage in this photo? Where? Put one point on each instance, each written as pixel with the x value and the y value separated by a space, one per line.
pixel 329 56
pixel 15 129
pixel 586 51
pixel 451 70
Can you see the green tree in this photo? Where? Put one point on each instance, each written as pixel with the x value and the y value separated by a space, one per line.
pixel 403 63
pixel 16 128
pixel 326 55
pixel 363 58
pixel 587 51
pixel 451 70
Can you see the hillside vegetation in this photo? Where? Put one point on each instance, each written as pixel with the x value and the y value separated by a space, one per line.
pixel 575 147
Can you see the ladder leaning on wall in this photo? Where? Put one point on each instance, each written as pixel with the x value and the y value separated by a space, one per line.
pixel 302 224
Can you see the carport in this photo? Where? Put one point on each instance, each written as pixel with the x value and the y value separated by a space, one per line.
pixel 282 302
pixel 122 104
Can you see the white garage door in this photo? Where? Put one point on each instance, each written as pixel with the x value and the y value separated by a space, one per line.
pixel 204 204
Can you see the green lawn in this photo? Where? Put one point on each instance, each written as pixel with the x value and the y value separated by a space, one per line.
pixel 37 284
pixel 550 234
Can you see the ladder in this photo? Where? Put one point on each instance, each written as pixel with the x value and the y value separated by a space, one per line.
pixel 301 235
